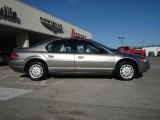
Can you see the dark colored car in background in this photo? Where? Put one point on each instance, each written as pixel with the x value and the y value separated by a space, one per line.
pixel 151 54
pixel 158 53
pixel 78 57
pixel 5 54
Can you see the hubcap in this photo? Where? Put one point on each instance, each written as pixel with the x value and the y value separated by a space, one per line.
pixel 126 71
pixel 36 71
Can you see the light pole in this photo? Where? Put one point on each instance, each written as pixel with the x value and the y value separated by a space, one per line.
pixel 142 43
pixel 121 38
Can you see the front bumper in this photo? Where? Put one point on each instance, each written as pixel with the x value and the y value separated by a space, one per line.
pixel 144 67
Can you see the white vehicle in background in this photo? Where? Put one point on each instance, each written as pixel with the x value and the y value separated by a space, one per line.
pixel 151 50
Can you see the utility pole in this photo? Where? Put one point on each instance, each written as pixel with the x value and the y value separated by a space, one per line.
pixel 121 38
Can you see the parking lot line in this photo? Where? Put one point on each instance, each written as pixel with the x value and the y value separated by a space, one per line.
pixel 43 82
pixel 23 83
pixel 20 80
pixel 4 77
pixel 58 82
pixel 9 93
pixel 15 75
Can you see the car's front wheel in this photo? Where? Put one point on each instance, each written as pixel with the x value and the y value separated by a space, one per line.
pixel 36 71
pixel 126 70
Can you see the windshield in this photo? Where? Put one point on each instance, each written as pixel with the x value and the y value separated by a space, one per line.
pixel 103 46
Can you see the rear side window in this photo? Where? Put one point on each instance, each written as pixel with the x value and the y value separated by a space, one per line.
pixel 60 47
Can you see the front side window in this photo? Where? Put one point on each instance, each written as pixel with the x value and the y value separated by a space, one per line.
pixel 82 47
pixel 59 47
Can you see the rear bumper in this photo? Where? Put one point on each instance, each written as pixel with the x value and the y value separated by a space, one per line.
pixel 17 65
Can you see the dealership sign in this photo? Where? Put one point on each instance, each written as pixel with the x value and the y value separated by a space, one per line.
pixel 8 12
pixel 75 34
pixel 52 25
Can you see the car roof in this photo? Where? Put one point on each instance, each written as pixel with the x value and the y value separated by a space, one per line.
pixel 45 42
pixel 76 39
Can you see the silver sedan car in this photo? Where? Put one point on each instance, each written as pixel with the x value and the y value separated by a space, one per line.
pixel 75 56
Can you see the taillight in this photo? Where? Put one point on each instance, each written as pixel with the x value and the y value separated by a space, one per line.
pixel 14 55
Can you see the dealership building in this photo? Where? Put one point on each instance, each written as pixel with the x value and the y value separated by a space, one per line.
pixel 22 25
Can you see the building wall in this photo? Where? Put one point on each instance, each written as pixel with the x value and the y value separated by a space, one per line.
pixel 28 18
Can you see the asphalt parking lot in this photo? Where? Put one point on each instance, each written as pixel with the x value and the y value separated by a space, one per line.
pixel 80 98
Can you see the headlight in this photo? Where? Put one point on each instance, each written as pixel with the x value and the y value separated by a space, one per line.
pixel 143 60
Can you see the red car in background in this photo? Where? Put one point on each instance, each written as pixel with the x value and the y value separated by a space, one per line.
pixel 127 49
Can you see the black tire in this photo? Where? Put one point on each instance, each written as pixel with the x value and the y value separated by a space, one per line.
pixel 126 70
pixel 37 71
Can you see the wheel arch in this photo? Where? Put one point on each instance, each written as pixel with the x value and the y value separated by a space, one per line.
pixel 34 60
pixel 127 60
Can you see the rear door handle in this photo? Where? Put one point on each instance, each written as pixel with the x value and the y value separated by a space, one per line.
pixel 80 57
pixel 50 56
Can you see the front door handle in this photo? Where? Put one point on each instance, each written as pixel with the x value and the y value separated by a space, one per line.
pixel 80 57
pixel 50 56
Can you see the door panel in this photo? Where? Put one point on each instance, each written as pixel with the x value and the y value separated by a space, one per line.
pixel 59 56
pixel 93 63
pixel 92 59
pixel 60 62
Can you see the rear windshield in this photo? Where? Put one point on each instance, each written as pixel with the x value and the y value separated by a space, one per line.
pixel 39 43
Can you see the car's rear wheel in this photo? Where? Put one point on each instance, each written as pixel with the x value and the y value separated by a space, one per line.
pixel 126 70
pixel 36 71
